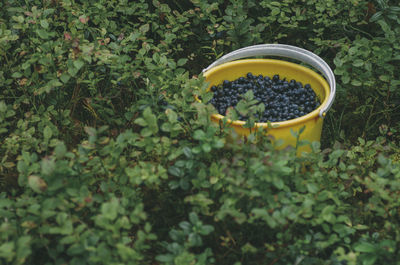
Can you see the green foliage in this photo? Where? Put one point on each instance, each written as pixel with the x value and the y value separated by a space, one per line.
pixel 367 69
pixel 107 158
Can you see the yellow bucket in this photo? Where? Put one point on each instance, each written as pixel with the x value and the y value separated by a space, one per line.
pixel 229 68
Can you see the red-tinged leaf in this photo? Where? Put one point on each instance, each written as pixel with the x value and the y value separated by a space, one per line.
pixel 67 36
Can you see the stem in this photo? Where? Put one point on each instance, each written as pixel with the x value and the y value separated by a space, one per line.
pixel 369 116
pixel 5 56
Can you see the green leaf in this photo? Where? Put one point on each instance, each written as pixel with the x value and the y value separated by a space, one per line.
pixel 249 248
pixel 278 183
pixel 356 82
pixel 182 61
pixel 206 147
pixel 293 133
pixel 110 209
pixel 48 11
pixel 185 258
pixel 23 247
pixel 338 61
pixel 166 127
pixel 312 188
pixel 199 135
pixel 75 249
pixel 22 167
pixel 72 71
pixel 275 11
pixel 65 225
pixel 275 3
pixel 375 16
pixel 249 95
pixel 90 131
pixel 369 259
pixel 385 78
pixel 16 75
pixel 175 171
pixel 206 229
pixel 144 28
pixel 186 226
pixel 301 130
pixel 37 184
pixel 47 132
pixel 187 152
pixel 358 62
pixel 146 132
pixel 327 213
pixel 195 239
pixel 7 250
pixel 171 115
pixel 167 258
pixel 44 23
pixel 131 172
pixel 365 247
pixel 141 122
pixel 48 165
pixel 3 106
pixel 346 78
pixel 79 64
pixel 42 34
pixel 218 143
pixel 65 77
pixel 60 150
pixel 151 120
pixel 125 252
pixel 262 213
pixel 353 50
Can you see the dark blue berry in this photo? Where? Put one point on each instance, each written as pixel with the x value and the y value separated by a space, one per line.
pixel 226 84
pixel 283 100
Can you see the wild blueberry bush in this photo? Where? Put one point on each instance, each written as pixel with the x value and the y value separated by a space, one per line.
pixel 107 158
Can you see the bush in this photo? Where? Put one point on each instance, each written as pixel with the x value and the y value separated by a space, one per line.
pixel 106 158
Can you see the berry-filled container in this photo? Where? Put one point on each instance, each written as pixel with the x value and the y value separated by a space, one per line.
pixel 239 63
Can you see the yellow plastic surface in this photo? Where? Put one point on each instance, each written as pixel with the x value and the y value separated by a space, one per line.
pixel 269 67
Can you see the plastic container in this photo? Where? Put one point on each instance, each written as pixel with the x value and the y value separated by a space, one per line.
pixel 228 67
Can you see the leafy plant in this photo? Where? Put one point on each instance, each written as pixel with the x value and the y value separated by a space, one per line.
pixel 106 156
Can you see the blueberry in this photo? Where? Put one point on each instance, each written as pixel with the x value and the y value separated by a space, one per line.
pixel 283 100
pixel 226 84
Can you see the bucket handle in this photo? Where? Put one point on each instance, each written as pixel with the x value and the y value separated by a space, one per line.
pixel 287 51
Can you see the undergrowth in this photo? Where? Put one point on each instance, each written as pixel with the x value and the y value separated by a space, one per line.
pixel 106 158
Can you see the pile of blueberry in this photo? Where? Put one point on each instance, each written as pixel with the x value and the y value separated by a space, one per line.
pixel 283 100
